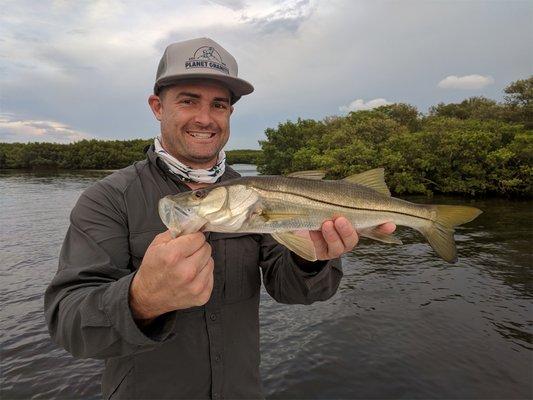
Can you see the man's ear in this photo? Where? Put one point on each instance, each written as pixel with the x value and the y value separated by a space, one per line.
pixel 231 110
pixel 155 104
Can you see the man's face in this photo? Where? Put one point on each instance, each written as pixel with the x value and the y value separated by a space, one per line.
pixel 194 118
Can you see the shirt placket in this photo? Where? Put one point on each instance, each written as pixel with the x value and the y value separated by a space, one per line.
pixel 213 318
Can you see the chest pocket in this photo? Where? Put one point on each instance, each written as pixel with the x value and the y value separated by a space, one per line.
pixel 238 253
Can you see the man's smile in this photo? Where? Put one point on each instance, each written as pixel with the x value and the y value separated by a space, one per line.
pixel 201 134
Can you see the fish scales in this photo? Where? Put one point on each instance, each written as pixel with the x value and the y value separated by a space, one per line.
pixel 338 193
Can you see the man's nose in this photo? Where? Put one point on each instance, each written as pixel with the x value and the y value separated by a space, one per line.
pixel 203 115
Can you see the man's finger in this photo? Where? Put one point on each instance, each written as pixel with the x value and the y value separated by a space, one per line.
pixel 161 238
pixel 332 238
pixel 205 271
pixel 321 247
pixel 387 228
pixel 205 281
pixel 188 244
pixel 346 232
pixel 200 257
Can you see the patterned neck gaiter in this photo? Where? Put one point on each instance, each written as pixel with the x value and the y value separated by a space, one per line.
pixel 189 174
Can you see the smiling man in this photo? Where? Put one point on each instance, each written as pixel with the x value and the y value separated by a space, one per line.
pixel 194 118
pixel 178 318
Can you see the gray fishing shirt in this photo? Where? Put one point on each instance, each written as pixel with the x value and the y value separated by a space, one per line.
pixel 210 351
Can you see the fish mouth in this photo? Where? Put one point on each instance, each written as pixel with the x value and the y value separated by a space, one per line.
pixel 178 220
pixel 173 217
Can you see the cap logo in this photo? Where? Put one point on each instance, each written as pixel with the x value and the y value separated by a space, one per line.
pixel 207 57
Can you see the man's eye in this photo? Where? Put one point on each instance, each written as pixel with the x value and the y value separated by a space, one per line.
pixel 186 101
pixel 222 106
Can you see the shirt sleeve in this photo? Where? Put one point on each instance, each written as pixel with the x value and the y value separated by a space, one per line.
pixel 289 282
pixel 87 303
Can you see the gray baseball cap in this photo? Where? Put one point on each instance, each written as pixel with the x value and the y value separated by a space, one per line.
pixel 200 58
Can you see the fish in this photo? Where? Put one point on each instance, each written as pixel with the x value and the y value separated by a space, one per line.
pixel 283 206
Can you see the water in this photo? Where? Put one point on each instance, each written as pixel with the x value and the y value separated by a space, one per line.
pixel 402 325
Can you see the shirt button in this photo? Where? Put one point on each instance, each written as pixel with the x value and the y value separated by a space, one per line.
pixel 216 396
pixel 213 317
pixel 218 358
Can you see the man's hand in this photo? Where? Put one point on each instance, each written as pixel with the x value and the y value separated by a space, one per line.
pixel 338 237
pixel 175 274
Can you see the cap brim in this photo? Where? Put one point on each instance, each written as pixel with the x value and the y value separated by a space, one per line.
pixel 238 87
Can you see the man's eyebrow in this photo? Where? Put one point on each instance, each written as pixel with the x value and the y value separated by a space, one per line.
pixel 197 96
pixel 223 99
pixel 188 94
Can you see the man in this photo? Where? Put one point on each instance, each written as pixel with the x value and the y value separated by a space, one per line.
pixel 178 318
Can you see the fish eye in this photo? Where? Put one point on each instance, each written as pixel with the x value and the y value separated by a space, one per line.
pixel 200 194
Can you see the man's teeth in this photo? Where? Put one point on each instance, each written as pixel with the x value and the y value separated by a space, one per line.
pixel 201 135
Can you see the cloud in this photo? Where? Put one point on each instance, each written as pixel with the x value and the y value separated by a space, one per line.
pixel 91 65
pixel 466 82
pixel 234 5
pixel 19 130
pixel 359 104
pixel 287 17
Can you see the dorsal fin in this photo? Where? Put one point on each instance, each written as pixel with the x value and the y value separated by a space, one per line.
pixel 373 179
pixel 311 174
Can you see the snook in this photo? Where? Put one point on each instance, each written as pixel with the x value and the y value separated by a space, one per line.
pixel 303 201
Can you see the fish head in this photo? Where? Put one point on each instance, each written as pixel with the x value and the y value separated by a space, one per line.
pixel 217 209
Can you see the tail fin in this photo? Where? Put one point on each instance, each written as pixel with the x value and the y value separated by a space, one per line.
pixel 440 233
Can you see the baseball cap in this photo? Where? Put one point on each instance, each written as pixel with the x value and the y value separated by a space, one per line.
pixel 200 58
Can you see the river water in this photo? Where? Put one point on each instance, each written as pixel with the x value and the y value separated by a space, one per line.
pixel 403 324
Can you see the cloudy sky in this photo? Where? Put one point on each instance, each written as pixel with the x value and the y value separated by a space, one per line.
pixel 84 69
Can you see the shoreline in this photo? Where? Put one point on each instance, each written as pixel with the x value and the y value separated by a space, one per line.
pixel 419 196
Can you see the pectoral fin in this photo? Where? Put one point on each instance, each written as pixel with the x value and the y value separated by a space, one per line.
pixel 300 245
pixel 376 234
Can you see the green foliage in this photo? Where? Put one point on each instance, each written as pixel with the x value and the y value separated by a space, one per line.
pixel 285 141
pixel 474 107
pixel 519 101
pixel 85 154
pixel 520 93
pixel 476 147
pixel 242 156
pixel 90 154
pixel 404 114
pixel 517 108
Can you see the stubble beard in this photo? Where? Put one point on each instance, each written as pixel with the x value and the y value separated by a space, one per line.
pixel 185 155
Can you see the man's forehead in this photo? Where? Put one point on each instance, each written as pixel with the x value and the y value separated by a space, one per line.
pixel 201 87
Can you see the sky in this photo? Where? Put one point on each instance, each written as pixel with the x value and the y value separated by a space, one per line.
pixel 72 70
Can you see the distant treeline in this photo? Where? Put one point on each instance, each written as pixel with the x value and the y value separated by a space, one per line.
pixel 476 147
pixel 90 154
pixel 242 156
